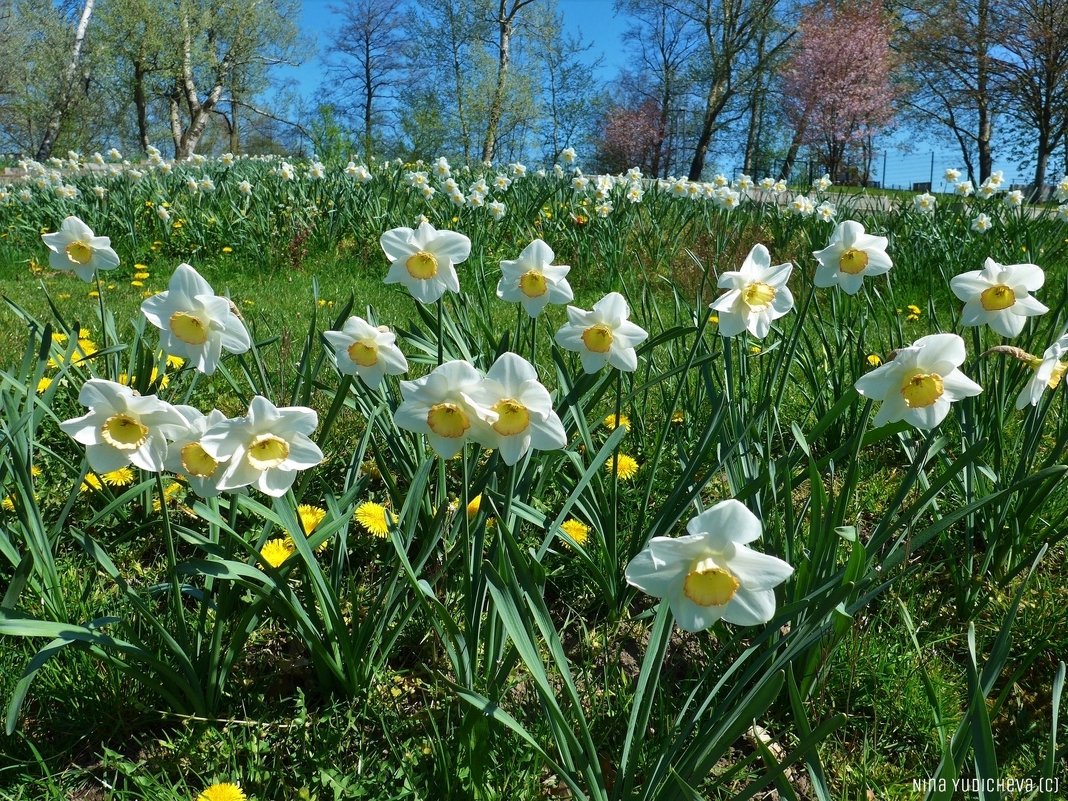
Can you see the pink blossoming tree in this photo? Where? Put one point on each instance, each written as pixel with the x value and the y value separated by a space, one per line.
pixel 837 83
pixel 631 137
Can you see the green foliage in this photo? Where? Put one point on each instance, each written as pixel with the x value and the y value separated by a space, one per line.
pixel 477 650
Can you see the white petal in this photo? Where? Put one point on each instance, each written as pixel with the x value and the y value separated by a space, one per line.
pixel 103 458
pixel 654 577
pixel 729 521
pixel 395 242
pixel 758 571
pixel 611 309
pixel 450 245
pixel 276 481
pixel 750 608
pixel 957 385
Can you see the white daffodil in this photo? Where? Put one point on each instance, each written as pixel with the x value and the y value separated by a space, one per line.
pixel 123 427
pixel 981 223
pixel 364 350
pixel 533 280
pixel 920 382
pixel 1048 372
pixel 710 574
pixel 74 248
pixel 756 295
pixel 187 457
pixel 265 448
pixel 525 416
pixel 951 175
pixel 925 203
pixel 851 255
pixel 603 335
pixel 998 296
pixel 423 260
pixel 196 323
pixel 439 405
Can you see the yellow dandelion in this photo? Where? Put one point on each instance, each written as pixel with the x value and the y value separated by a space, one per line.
pixel 175 361
pixel 473 507
pixel 59 337
pixel 678 417
pixel 628 467
pixel 914 309
pixel 611 422
pixel 310 517
pixel 91 482
pixel 374 518
pixel 715 319
pixel 119 478
pixel 141 275
pixel 754 348
pixel 36 470
pixel 137 283
pixel 43 384
pixel 227 249
pixel 8 503
pixel 874 359
pixel 225 791
pixel 148 293
pixel 275 552
pixel 139 266
pixel 576 530
pixel 369 468
pixel 93 293
pixel 170 492
pixel 912 318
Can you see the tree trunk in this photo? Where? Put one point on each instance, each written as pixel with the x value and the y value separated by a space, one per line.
pixel 718 93
pixel 752 137
pixel 661 156
pixel 1041 162
pixel 756 112
pixel 791 153
pixel 986 122
pixel 67 85
pixel 504 41
pixel 140 105
pixel 185 141
pixel 235 131
pixel 368 100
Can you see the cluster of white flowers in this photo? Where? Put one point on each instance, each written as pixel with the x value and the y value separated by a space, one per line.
pixel 802 206
pixel 708 575
pixel 507 409
pixel 265 448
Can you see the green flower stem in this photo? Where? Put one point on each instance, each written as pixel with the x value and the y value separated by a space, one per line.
pixel 611 539
pixel 172 561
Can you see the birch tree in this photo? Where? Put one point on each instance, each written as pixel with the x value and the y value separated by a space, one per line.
pixel 66 84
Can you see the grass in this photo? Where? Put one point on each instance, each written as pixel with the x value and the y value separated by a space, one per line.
pixel 895 668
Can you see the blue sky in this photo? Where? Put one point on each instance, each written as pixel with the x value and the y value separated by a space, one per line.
pixel 594 19
pixel 599 25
